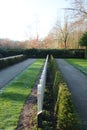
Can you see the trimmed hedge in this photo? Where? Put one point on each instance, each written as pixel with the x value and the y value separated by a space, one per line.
pixel 6 52
pixel 63 105
pixel 48 118
pixel 66 115
pixel 57 78
pixel 42 53
pixel 57 53
pixel 10 61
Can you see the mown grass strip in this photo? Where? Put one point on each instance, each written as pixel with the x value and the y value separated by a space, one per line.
pixel 80 64
pixel 14 95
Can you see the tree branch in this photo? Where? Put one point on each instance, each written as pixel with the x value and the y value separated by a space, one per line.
pixel 76 10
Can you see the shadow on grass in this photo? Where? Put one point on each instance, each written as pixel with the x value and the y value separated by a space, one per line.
pixel 13 96
pixel 9 96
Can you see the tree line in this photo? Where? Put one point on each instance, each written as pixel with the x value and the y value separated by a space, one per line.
pixel 63 35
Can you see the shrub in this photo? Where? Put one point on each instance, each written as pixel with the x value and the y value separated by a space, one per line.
pixel 83 42
pixel 42 53
pixel 57 53
pixel 63 105
pixel 5 52
pixel 66 114
pixel 10 61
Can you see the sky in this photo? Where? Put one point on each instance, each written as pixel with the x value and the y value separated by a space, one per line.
pixel 23 19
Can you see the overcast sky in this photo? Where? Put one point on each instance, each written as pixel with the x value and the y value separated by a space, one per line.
pixel 21 19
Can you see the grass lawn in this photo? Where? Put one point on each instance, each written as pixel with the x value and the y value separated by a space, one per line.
pixel 14 95
pixel 81 64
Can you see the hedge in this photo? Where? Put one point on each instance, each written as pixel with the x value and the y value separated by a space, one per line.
pixel 66 115
pixel 57 53
pixel 63 105
pixel 42 53
pixel 10 61
pixel 6 52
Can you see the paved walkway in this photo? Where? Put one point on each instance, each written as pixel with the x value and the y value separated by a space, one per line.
pixel 77 83
pixel 11 72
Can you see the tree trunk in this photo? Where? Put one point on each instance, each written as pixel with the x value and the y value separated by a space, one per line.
pixel 65 44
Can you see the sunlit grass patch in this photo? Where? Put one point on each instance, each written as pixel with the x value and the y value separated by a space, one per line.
pixel 81 64
pixel 14 95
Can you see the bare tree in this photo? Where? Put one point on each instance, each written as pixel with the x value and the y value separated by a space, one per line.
pixel 63 32
pixel 78 14
pixel 78 9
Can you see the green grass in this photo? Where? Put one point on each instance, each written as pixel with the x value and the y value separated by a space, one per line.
pixel 81 64
pixel 14 95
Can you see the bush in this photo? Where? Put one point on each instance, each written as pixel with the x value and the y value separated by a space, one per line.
pixel 57 53
pixel 66 114
pixel 83 42
pixel 57 78
pixel 42 53
pixel 10 61
pixel 63 105
pixel 5 52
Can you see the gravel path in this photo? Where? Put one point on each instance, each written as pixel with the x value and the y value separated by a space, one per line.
pixel 77 83
pixel 11 72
